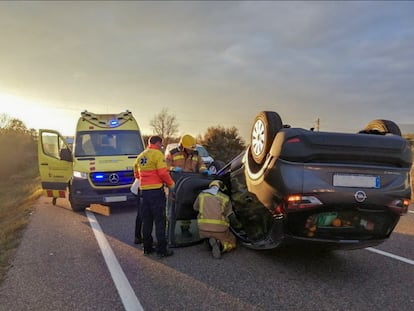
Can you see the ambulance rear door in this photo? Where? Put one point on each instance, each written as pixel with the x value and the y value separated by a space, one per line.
pixel 55 163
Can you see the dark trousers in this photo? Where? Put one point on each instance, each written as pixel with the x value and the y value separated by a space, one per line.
pixel 138 219
pixel 153 211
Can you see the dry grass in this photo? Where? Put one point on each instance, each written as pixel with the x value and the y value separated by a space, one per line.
pixel 17 198
pixel 19 189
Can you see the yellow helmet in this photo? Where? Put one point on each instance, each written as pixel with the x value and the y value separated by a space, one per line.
pixel 217 183
pixel 188 142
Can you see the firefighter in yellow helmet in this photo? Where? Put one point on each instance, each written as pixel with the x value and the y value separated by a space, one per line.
pixel 214 214
pixel 185 158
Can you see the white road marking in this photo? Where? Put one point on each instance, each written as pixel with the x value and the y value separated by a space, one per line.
pixel 406 260
pixel 411 212
pixel 127 294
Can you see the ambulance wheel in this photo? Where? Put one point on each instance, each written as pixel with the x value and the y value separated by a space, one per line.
pixel 75 207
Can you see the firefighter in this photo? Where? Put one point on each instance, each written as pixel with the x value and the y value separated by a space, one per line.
pixel 214 216
pixel 153 175
pixel 185 158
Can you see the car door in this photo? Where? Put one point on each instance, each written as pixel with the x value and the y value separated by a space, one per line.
pixel 55 163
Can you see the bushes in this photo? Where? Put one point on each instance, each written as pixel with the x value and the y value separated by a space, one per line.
pixel 18 152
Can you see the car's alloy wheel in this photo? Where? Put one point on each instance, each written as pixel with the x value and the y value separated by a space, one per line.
pixel 258 137
pixel 265 127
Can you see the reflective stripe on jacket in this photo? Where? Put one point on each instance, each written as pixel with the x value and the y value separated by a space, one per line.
pixel 150 168
pixel 192 162
pixel 213 211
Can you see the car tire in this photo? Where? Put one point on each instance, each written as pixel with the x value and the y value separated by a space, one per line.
pixel 382 127
pixel 265 127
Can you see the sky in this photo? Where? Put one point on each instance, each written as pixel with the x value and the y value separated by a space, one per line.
pixel 209 63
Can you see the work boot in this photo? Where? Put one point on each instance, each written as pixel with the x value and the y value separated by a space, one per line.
pixel 166 253
pixel 215 248
pixel 148 251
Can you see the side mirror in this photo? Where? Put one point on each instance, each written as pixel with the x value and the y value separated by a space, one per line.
pixel 66 155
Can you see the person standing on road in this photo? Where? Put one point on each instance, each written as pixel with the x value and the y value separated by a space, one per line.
pixel 153 175
pixel 185 158
pixel 214 215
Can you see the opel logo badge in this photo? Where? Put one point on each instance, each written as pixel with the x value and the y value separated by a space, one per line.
pixel 360 196
pixel 113 178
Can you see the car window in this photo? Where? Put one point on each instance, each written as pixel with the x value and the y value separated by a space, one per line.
pixel 107 143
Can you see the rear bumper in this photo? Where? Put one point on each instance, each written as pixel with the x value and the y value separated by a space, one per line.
pixel 333 244
pixel 280 236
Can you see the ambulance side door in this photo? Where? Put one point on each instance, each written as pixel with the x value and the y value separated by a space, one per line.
pixel 55 160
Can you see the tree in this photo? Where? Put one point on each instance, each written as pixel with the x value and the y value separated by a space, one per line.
pixel 223 143
pixel 164 125
pixel 18 144
pixel 17 125
pixel 9 124
pixel 4 120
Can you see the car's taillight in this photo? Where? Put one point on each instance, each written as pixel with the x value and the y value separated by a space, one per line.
pixel 278 211
pixel 298 201
pixel 400 206
pixel 293 140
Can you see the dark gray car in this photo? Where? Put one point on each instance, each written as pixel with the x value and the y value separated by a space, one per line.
pixel 335 190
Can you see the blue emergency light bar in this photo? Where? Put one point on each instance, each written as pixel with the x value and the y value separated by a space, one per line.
pixel 113 123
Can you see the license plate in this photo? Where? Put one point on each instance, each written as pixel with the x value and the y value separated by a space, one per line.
pixel 120 198
pixel 356 181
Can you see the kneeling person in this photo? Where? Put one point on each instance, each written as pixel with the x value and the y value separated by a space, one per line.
pixel 214 209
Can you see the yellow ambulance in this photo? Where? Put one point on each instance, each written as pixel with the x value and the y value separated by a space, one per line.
pixel 98 169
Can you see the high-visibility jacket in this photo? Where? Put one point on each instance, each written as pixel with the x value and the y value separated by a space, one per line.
pixel 189 162
pixel 151 169
pixel 213 211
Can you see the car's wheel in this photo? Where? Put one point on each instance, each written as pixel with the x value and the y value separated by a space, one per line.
pixel 265 127
pixel 382 127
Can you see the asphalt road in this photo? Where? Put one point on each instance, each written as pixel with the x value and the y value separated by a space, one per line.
pixel 60 265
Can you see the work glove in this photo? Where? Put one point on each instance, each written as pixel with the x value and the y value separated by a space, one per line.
pixel 206 173
pixel 172 189
pixel 177 169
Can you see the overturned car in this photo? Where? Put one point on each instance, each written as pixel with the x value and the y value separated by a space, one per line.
pixel 335 190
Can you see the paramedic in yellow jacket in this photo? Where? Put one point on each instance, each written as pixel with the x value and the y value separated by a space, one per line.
pixel 214 210
pixel 185 158
pixel 151 170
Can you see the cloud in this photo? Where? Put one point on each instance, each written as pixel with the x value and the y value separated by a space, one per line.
pixel 212 62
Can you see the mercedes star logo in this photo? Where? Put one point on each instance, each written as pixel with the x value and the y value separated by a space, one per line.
pixel 113 178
